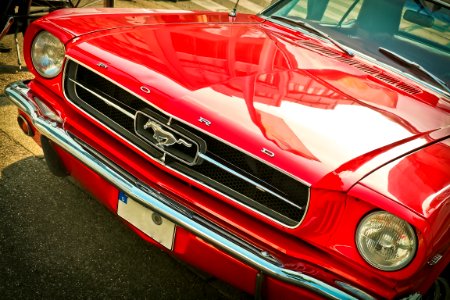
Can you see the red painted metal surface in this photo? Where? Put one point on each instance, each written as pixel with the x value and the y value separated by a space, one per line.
pixel 203 69
pixel 357 140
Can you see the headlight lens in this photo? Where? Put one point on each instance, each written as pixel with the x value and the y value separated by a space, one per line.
pixel 47 54
pixel 386 242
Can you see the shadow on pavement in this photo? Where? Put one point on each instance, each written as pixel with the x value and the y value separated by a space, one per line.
pixel 56 241
pixel 12 69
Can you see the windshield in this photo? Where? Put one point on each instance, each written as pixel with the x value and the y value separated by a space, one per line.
pixel 416 30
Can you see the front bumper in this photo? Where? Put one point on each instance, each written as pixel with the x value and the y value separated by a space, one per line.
pixel 20 94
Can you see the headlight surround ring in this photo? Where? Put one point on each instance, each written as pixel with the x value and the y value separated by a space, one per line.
pixel 47 54
pixel 385 241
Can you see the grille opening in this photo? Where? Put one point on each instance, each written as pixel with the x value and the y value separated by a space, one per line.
pixel 228 170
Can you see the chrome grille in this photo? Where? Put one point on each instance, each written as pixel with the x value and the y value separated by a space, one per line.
pixel 220 167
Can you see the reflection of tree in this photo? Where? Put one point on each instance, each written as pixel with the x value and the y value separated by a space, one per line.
pixel 272 127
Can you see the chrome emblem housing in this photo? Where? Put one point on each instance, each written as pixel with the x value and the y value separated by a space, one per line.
pixel 173 142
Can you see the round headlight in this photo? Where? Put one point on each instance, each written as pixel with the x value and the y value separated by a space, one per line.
pixel 47 54
pixel 386 242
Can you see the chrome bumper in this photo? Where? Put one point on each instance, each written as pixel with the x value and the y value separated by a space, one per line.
pixel 22 96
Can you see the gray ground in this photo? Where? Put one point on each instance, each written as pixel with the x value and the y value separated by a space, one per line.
pixel 56 241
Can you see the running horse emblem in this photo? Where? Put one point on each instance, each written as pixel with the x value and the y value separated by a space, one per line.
pixel 163 137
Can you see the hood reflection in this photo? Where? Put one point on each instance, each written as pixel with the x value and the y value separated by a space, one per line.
pixel 300 101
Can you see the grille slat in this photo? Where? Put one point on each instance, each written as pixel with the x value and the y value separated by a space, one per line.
pixel 221 167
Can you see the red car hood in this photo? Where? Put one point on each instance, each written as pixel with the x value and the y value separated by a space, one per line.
pixel 326 121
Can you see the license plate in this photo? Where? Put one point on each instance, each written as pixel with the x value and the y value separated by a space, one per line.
pixel 152 224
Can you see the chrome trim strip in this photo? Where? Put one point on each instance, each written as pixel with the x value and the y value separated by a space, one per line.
pixel 198 128
pixel 259 186
pixel 109 103
pixel 21 96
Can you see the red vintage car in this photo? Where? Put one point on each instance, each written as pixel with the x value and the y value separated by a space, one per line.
pixel 303 152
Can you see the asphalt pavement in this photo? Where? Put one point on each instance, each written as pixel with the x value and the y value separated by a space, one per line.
pixel 58 242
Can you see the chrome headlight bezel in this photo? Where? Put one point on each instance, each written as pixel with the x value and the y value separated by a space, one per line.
pixel 385 241
pixel 47 54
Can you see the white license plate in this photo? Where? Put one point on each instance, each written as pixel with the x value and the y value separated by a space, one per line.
pixel 152 224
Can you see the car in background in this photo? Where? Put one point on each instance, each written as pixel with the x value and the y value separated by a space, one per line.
pixel 303 152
